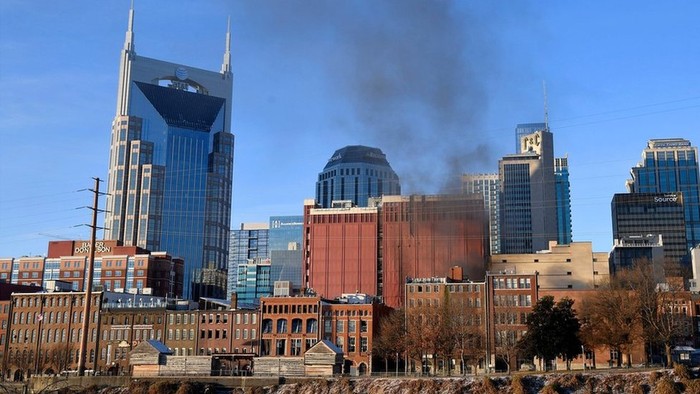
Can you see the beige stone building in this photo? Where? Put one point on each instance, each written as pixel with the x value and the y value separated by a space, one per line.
pixel 574 266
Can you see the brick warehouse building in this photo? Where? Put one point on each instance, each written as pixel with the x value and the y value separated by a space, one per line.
pixel 117 268
pixel 292 325
pixel 374 249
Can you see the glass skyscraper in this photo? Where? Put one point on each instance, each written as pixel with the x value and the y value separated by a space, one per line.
pixel 171 163
pixel 671 165
pixel 528 214
pixel 640 214
pixel 563 190
pixel 249 242
pixel 488 186
pixel 356 173
pixel 286 236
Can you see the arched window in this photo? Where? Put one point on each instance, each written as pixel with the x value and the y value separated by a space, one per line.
pixel 281 325
pixel 267 326
pixel 311 326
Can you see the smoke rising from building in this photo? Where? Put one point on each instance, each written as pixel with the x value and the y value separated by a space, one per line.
pixel 410 76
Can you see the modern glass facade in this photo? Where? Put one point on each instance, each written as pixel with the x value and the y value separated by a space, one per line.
pixel 356 173
pixel 636 214
pixel 286 236
pixel 671 165
pixel 171 163
pixel 488 186
pixel 528 214
pixel 250 242
pixel 516 209
pixel 563 190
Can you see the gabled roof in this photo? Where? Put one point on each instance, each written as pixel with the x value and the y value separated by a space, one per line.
pixel 157 345
pixel 325 346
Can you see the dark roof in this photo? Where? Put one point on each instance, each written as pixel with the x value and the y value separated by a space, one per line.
pixel 159 346
pixel 181 108
pixel 358 154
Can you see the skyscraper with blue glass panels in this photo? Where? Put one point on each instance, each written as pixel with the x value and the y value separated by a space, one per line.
pixel 356 173
pixel 171 164
pixel 286 236
pixel 671 165
pixel 563 190
pixel 249 242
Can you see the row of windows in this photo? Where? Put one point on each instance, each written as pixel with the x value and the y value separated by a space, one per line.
pixel 513 300
pixel 468 288
pixel 513 283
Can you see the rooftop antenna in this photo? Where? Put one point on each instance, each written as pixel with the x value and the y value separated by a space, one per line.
pixel 546 110
pixel 226 65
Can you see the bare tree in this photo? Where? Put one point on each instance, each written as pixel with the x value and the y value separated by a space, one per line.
pixel 664 307
pixel 390 340
pixel 610 318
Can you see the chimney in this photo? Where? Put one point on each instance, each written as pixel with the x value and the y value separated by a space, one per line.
pixel 234 300
pixel 456 273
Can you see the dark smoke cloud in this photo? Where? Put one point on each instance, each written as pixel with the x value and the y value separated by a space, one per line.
pixel 412 76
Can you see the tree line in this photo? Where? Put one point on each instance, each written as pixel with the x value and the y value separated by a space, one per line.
pixel 636 309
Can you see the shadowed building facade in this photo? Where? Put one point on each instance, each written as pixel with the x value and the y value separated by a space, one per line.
pixel 373 250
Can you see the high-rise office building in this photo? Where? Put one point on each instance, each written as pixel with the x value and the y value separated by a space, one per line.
pixel 671 165
pixel 356 173
pixel 286 237
pixel 528 214
pixel 249 242
pixel 171 163
pixel 488 186
pixel 635 214
pixel 523 129
pixel 563 191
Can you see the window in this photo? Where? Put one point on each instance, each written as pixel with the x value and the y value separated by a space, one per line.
pixel 267 326
pixel 339 326
pixel 296 326
pixel 351 345
pixel 311 326
pixel 363 326
pixel 351 325
pixel 281 326
pixel 363 345
pixel 280 347
pixel 296 347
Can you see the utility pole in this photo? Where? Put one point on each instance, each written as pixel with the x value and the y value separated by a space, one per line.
pixel 88 288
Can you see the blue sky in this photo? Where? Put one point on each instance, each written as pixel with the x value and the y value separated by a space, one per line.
pixel 438 86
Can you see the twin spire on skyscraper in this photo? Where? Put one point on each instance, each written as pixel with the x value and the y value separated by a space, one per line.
pixel 131 49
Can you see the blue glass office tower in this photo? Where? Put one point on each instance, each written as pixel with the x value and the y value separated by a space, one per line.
pixel 286 236
pixel 671 165
pixel 356 173
pixel 171 164
pixel 563 190
pixel 249 242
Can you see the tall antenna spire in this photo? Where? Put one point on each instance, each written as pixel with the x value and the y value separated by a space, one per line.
pixel 546 110
pixel 226 65
pixel 129 40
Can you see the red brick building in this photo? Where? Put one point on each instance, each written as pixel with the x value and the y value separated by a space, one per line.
pixel 374 249
pixel 117 268
pixel 292 325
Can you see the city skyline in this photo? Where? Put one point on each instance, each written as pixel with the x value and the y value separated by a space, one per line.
pixel 295 103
